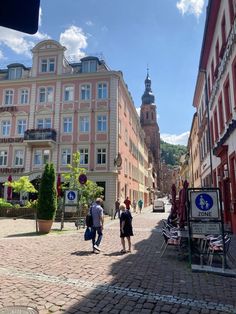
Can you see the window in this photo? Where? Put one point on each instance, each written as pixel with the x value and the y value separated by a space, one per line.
pixel 84 156
pixel 102 90
pixel 227 100
pixel 21 127
pixel 3 158
pixel 223 31
pixel 6 125
pixel 84 124
pixel 19 157
pixel 66 156
pixel 89 66
pixel 8 100
pixel 37 157
pixel 45 94
pixel 221 114
pixel 24 96
pixel 102 123
pixel 67 125
pixel 101 156
pixel 47 65
pixel 126 167
pixel 69 93
pixel 216 125
pixel 126 137
pixel 14 73
pixel 41 157
pixel 44 123
pixel 85 92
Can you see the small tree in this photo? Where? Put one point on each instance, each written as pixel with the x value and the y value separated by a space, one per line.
pixel 22 186
pixel 88 191
pixel 47 201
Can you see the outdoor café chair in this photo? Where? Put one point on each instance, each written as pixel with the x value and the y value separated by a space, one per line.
pixel 169 239
pixel 216 249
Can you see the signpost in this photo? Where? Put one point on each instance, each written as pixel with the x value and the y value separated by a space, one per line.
pixel 70 204
pixel 204 218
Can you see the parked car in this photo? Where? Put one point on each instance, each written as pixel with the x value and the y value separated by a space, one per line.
pixel 158 206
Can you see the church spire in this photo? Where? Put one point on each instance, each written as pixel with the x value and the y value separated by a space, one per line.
pixel 148 97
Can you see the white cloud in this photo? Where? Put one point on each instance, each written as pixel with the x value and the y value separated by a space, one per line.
pixel 20 43
pixel 190 6
pixel 181 139
pixel 74 40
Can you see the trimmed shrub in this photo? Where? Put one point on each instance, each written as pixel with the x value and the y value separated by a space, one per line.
pixel 47 201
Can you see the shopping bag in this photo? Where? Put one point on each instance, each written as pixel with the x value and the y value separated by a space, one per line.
pixel 88 234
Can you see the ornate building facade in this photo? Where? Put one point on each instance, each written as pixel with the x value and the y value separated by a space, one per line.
pixel 55 108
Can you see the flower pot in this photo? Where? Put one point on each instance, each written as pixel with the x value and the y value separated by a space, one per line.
pixel 44 226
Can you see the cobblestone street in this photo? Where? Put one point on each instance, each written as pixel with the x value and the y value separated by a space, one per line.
pixel 58 273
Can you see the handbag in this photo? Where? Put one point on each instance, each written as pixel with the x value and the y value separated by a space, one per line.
pixel 88 234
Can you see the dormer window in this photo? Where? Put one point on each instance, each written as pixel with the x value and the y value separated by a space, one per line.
pixel 14 73
pixel 89 64
pixel 47 65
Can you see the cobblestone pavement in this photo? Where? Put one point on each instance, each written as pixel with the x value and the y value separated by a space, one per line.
pixel 58 273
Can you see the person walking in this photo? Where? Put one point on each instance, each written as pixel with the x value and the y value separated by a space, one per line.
pixel 126 229
pixel 140 205
pixel 98 221
pixel 117 208
pixel 127 203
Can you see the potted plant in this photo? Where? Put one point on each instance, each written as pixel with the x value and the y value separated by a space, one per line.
pixel 47 201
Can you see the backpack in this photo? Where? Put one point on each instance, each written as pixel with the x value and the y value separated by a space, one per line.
pixel 89 219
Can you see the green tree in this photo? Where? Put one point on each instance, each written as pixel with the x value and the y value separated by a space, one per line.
pixel 88 191
pixel 47 201
pixel 22 186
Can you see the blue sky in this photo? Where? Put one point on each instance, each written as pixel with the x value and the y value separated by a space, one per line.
pixel 166 35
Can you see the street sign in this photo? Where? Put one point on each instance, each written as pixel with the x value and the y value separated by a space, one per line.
pixel 82 179
pixel 206 228
pixel 204 204
pixel 71 197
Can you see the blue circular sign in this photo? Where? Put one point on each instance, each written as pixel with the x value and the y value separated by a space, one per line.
pixel 204 202
pixel 71 195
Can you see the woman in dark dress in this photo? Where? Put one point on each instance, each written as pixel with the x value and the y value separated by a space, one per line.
pixel 126 229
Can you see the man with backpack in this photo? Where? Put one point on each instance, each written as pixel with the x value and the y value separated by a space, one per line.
pixel 97 224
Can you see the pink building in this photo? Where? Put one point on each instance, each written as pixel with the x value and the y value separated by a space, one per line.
pixel 55 108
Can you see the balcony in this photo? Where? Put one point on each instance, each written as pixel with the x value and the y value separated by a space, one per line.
pixel 40 137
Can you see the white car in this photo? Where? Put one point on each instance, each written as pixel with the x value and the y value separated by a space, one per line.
pixel 158 206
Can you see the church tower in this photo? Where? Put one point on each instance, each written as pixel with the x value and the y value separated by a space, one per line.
pixel 148 120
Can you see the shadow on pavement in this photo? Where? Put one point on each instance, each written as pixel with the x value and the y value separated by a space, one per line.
pixel 27 234
pixel 144 282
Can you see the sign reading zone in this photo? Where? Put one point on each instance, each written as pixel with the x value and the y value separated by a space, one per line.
pixel 204 205
pixel 71 197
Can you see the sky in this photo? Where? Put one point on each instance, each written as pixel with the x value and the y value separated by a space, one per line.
pixel 164 36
